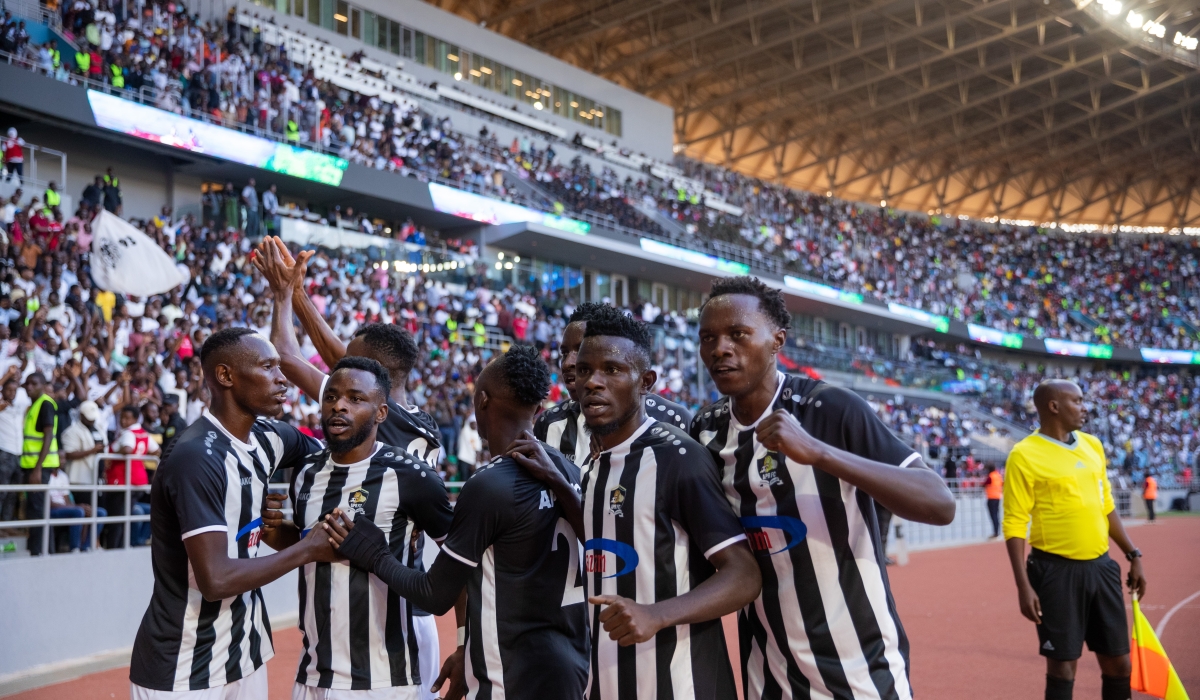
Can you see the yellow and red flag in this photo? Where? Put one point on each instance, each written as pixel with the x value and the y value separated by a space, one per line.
pixel 1153 673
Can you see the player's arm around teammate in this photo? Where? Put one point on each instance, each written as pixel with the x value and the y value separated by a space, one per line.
pixel 237 403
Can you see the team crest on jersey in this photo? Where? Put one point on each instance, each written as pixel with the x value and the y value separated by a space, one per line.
pixel 358 501
pixel 768 471
pixel 616 502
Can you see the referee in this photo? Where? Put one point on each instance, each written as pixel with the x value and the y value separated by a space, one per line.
pixel 1056 493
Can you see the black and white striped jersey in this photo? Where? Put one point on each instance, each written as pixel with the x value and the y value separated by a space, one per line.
pixel 210 482
pixel 356 634
pixel 825 625
pixel 526 620
pixel 562 425
pixel 654 514
pixel 415 432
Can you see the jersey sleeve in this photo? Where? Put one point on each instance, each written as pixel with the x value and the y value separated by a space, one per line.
pixel 542 425
pixel 1018 496
pixel 694 499
pixel 296 445
pixel 196 488
pixel 425 500
pixel 483 510
pixel 864 434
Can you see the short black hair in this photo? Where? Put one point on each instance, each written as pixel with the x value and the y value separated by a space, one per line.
pixel 525 373
pixel 382 379
pixel 588 310
pixel 622 325
pixel 220 341
pixel 770 300
pixel 391 341
pixel 130 409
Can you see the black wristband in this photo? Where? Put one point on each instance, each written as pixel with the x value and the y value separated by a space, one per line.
pixel 1134 553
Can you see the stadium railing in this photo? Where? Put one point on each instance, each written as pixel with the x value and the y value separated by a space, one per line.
pixel 47 522
pixel 971 520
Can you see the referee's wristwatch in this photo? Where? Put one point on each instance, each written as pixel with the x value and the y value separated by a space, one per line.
pixel 1134 553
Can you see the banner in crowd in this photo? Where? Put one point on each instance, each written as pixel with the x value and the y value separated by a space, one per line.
pixel 127 261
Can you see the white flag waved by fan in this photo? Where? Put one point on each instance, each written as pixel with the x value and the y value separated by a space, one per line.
pixel 127 261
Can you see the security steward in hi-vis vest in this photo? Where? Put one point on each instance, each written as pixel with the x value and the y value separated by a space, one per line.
pixel 39 452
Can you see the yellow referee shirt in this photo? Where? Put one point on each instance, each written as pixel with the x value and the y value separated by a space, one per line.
pixel 1064 490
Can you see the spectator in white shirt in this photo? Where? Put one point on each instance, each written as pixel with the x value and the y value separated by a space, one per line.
pixel 469 447
pixel 81 442
pixel 13 402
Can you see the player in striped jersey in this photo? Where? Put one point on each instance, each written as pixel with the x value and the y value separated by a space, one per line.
pixel 665 554
pixel 357 636
pixel 510 545
pixel 563 425
pixel 406 427
pixel 801 463
pixel 205 634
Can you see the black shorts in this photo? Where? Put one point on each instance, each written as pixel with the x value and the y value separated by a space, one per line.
pixel 1082 601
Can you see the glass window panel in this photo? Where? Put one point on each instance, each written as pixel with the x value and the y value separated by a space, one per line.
pixel 407 49
pixel 370 31
pixel 341 17
pixel 356 23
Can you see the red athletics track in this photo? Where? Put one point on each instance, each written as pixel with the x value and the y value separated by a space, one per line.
pixel 969 641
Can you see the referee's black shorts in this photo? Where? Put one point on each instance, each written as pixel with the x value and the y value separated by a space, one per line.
pixel 1082 601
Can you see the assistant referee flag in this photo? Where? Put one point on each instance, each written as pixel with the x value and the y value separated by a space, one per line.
pixel 1152 672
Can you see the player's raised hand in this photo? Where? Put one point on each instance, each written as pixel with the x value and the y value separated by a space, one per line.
pixel 781 432
pixel 275 262
pixel 272 511
pixel 454 669
pixel 626 621
pixel 527 451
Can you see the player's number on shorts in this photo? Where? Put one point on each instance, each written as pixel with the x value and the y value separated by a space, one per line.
pixel 572 584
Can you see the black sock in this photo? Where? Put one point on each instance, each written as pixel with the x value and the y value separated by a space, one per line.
pixel 1059 688
pixel 1115 688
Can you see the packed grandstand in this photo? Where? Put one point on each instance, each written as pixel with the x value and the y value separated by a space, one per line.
pixel 249 74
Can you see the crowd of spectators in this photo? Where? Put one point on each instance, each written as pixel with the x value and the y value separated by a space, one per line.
pixel 1125 290
pixel 1148 422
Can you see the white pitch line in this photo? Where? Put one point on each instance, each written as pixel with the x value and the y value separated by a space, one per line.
pixel 1162 624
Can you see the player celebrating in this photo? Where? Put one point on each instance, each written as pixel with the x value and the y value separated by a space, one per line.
pixel 657 526
pixel 801 462
pixel 406 427
pixel 563 425
pixel 510 545
pixel 356 633
pixel 206 627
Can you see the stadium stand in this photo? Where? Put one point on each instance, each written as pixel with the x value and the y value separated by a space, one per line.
pixel 278 83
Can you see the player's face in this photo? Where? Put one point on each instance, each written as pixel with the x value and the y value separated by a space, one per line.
pixel 572 338
pixel 611 383
pixel 351 408
pixel 738 343
pixel 258 384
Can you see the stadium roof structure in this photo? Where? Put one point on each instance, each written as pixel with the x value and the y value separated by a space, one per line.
pixel 1070 111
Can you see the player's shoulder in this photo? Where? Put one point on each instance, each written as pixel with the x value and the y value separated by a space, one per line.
pixel 405 464
pixel 712 416
pixel 412 420
pixel 559 411
pixel 201 438
pixel 493 479
pixel 669 442
pixel 805 394
pixel 667 411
